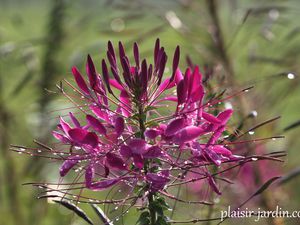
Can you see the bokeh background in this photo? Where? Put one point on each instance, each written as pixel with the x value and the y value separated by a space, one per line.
pixel 245 43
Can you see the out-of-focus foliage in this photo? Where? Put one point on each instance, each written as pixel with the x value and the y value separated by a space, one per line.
pixel 244 42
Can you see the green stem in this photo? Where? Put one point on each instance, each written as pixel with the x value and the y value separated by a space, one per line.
pixel 151 197
pixel 151 210
pixel 141 122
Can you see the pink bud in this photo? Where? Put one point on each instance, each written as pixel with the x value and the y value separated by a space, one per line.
pixel 91 72
pixel 181 92
pixel 80 81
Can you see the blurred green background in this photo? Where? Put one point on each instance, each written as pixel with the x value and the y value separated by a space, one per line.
pixel 245 42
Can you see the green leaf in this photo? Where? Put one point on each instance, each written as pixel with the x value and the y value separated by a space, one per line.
pixel 163 203
pixel 265 186
pixel 135 116
pixel 157 161
pixel 144 218
pixel 75 209
pixel 101 214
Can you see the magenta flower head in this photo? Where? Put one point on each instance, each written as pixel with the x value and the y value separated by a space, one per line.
pixel 136 129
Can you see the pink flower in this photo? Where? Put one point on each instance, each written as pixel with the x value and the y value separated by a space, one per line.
pixel 133 127
pixel 122 139
pixel 139 150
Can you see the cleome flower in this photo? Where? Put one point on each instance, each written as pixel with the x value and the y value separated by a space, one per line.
pixel 128 134
pixel 135 128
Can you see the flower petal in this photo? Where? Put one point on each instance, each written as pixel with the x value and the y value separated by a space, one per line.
pixel 64 125
pixel 174 126
pixel 181 92
pixel 102 114
pixel 197 94
pixel 60 137
pixel 68 165
pixel 152 133
pixel 119 126
pixel 210 118
pixel 91 140
pixel 89 175
pixel 225 116
pixel 77 134
pixel 102 185
pixel 116 84
pixel 175 62
pixel 157 181
pixel 213 157
pixel 216 135
pixel 96 124
pixel 196 80
pixel 188 134
pixel 125 151
pixel 138 161
pixel 153 177
pixel 125 104
pixel 165 85
pixel 74 120
pixel 153 152
pixel 114 161
pixel 219 149
pixel 137 145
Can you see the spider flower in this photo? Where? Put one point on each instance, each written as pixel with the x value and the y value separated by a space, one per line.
pixel 138 126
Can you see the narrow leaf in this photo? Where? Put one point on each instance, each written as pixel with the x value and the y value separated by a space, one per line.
pixel 292 126
pixel 265 186
pixel 75 209
pixel 101 215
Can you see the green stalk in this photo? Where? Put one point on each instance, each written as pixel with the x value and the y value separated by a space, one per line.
pixel 151 210
pixel 151 197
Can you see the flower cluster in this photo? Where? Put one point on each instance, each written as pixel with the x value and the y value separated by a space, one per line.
pixel 140 127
